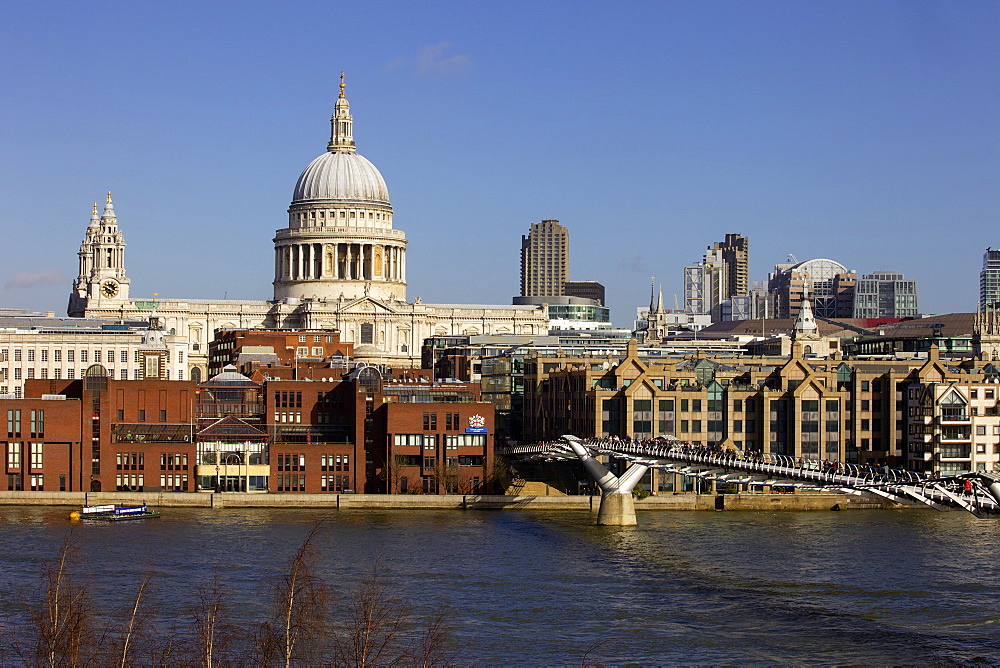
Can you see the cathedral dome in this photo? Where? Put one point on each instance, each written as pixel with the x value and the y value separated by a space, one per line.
pixel 341 175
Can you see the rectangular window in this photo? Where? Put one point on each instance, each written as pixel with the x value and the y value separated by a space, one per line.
pixel 142 415
pixel 45 355
pixel 70 355
pixel 36 455
pixel 684 405
pixel 124 357
pixel 737 405
pixel 163 416
pixel 666 405
pixel 14 423
pixel 37 423
pixel 696 405
pixel 13 455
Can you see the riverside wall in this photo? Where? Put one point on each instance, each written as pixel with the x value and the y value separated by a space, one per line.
pixel 716 502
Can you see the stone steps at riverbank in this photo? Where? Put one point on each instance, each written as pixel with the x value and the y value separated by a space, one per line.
pixel 726 502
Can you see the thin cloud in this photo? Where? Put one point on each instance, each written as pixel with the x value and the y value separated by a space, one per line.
pixel 34 279
pixel 434 61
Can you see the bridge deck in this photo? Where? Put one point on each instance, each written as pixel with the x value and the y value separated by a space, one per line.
pixel 974 492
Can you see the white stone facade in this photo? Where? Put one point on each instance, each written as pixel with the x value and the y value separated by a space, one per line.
pixel 53 353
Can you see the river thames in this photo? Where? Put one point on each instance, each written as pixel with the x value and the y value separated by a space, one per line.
pixel 533 588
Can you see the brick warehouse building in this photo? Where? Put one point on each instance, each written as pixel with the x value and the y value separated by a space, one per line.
pixel 334 434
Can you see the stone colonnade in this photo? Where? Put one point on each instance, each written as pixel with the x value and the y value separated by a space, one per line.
pixel 344 261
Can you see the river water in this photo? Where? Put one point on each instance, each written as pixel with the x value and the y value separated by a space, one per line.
pixel 533 588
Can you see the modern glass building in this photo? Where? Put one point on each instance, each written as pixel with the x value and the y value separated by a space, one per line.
pixel 989 280
pixel 885 294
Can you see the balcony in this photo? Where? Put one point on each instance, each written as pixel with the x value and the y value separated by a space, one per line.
pixel 954 454
pixel 954 436
pixel 953 418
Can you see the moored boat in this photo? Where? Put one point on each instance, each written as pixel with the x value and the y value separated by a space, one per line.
pixel 113 513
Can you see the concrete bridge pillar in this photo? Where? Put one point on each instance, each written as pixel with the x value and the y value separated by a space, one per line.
pixel 617 510
pixel 617 505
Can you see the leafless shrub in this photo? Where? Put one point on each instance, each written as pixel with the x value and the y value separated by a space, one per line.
pixel 379 630
pixel 61 629
pixel 295 634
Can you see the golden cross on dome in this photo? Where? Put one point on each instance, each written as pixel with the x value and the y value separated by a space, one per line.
pixel 95 208
pixel 109 197
pixel 342 86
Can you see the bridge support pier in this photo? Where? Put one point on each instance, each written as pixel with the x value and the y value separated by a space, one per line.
pixel 617 510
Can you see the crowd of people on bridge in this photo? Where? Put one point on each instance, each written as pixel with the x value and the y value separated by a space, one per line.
pixel 667 446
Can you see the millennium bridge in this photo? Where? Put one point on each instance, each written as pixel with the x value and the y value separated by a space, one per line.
pixel 977 492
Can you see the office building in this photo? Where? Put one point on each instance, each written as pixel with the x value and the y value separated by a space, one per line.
pixel 544 260
pixel 585 289
pixel 735 255
pixel 885 294
pixel 827 283
pixel 989 280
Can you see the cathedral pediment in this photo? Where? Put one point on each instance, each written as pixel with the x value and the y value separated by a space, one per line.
pixel 367 305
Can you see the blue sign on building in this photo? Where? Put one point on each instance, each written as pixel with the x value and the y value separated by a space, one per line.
pixel 476 430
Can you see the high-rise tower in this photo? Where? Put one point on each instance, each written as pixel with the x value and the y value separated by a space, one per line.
pixel 735 253
pixel 989 280
pixel 545 260
pixel 101 280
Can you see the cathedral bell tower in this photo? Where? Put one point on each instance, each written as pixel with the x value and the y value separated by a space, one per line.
pixel 101 281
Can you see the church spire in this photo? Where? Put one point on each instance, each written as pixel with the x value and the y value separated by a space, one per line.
pixel 659 300
pixel 95 219
pixel 652 294
pixel 341 124
pixel 109 208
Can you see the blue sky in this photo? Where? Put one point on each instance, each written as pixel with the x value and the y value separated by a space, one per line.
pixel 865 132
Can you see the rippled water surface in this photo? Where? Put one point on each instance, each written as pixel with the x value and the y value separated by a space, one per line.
pixel 528 588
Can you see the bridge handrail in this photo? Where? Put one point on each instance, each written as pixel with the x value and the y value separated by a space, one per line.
pixel 892 482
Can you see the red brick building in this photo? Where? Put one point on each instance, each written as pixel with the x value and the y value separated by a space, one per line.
pixel 247 349
pixel 364 431
pixel 100 434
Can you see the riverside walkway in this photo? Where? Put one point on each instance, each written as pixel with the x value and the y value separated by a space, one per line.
pixel 977 493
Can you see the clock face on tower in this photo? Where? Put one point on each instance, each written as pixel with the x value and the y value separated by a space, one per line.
pixel 109 289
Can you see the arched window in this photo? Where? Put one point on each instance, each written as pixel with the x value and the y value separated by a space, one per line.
pixel 96 378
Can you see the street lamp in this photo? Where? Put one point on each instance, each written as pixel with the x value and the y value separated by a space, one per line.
pixel 218 487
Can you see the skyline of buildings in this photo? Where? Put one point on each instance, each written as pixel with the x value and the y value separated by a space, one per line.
pixel 338 264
